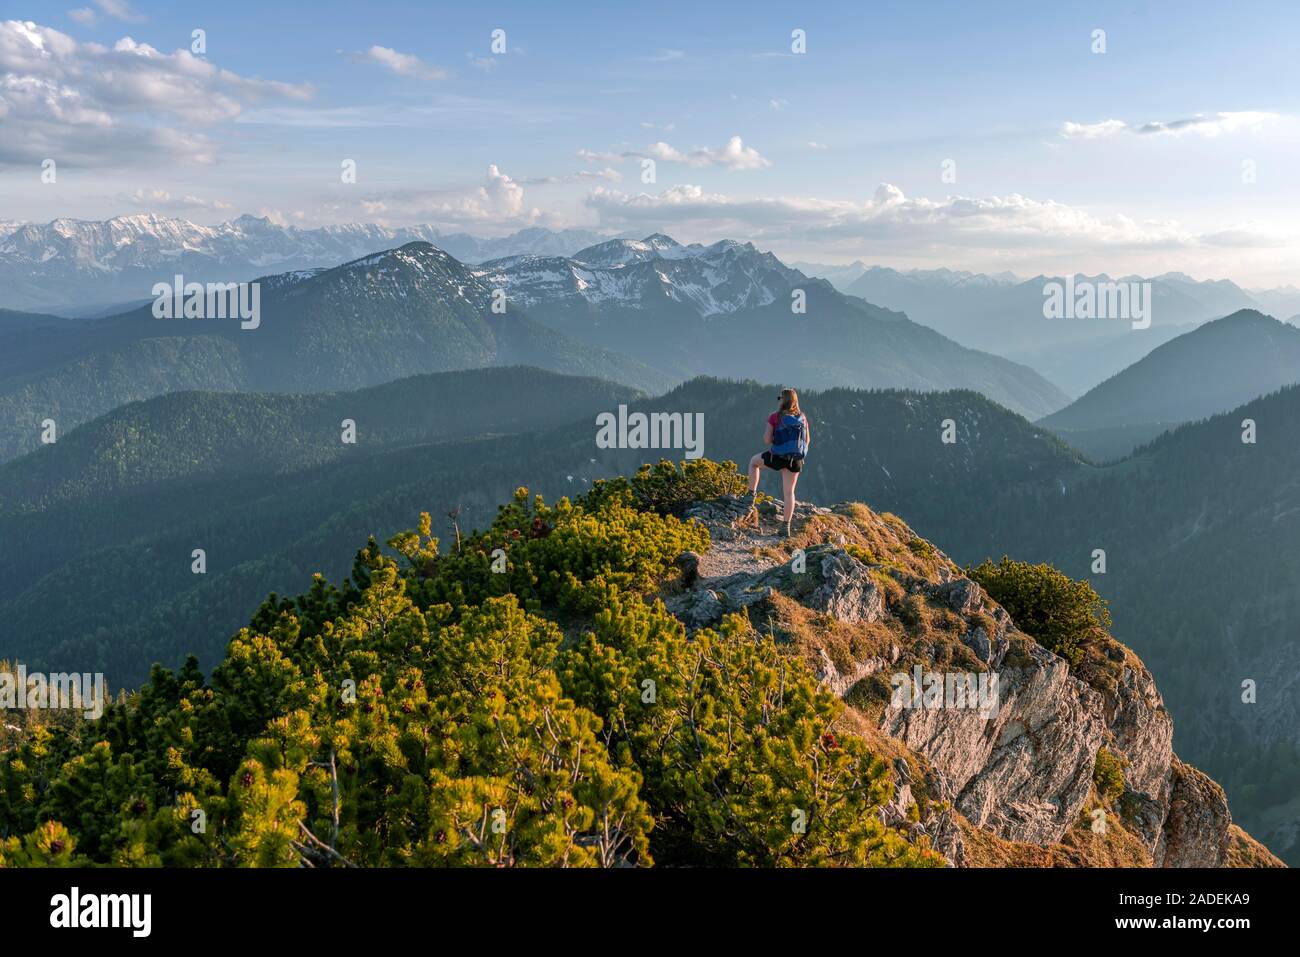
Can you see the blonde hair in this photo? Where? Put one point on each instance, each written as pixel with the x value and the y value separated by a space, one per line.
pixel 790 402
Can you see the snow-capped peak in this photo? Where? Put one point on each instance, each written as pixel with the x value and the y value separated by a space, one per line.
pixel 640 274
pixel 618 252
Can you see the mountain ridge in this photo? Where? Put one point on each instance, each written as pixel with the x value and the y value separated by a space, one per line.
pixel 718 309
pixel 411 310
pixel 67 262
pixel 1217 366
pixel 876 580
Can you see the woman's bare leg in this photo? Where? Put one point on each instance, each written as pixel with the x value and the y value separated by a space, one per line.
pixel 788 481
pixel 755 468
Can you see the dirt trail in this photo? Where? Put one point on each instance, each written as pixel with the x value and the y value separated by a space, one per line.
pixel 735 546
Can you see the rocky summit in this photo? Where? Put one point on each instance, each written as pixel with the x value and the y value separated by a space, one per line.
pixel 1072 766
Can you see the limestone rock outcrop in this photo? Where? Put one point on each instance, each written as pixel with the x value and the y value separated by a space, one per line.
pixel 1022 769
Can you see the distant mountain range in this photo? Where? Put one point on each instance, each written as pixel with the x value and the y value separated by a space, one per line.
pixel 80 267
pixel 843 277
pixel 839 276
pixel 646 276
pixel 1283 301
pixel 93 269
pixel 980 310
pixel 1215 367
pixel 730 310
pixel 644 313
pixel 406 311
pixel 1003 314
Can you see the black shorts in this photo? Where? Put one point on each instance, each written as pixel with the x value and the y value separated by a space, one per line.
pixel 779 462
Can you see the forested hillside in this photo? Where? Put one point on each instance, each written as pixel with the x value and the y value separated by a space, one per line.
pixel 266 488
pixel 203 436
pixel 395 314
pixel 1211 369
pixel 1198 531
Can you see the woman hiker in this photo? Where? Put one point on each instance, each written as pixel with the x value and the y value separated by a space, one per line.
pixel 787 437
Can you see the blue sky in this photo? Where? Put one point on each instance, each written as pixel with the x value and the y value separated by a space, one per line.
pixel 1173 149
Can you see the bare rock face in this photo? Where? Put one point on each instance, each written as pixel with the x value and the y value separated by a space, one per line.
pixel 840 682
pixel 945 837
pixel 961 595
pixel 895 812
pixel 846 591
pixel 1142 733
pixel 1196 824
pixel 828 580
pixel 698 609
pixel 941 828
pixel 1023 769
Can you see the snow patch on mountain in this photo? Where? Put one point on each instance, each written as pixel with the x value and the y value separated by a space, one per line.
pixel 643 274
pixel 70 261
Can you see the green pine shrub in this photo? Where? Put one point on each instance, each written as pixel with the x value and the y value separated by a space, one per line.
pixel 1108 775
pixel 430 711
pixel 665 488
pixel 1062 614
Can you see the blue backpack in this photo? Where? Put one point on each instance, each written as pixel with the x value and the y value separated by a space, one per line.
pixel 790 437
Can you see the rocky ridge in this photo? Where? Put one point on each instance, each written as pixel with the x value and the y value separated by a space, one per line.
pixel 863 599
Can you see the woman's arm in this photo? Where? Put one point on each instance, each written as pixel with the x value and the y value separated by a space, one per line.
pixel 767 434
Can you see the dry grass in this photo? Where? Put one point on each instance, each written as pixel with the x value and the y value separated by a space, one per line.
pixel 1079 847
pixel 1242 850
pixel 891 542
pixel 808 631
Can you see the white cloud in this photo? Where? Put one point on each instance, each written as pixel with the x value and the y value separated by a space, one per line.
pixel 1213 124
pixel 83 15
pixel 161 199
pixel 580 176
pixel 734 155
pixel 890 220
pixel 777 103
pixel 664 56
pixel 86 104
pixel 1092 131
pixel 119 10
pixel 403 64
pixel 814 145
pixel 596 156
pixel 608 174
pixel 277 217
pixel 497 202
